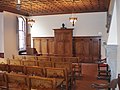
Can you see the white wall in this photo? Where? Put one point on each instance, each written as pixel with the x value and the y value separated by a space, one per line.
pixel 118 34
pixel 88 24
pixel 112 38
pixel 1 33
pixel 10 39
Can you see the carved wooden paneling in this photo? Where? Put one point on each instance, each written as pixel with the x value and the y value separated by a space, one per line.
pixel 87 48
pixel 63 42
pixel 51 46
pixel 44 45
pixel 37 44
pixel 96 48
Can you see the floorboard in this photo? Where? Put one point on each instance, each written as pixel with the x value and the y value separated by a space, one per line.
pixel 89 76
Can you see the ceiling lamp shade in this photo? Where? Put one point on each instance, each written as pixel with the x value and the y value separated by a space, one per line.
pixel 31 22
pixel 73 20
pixel 18 5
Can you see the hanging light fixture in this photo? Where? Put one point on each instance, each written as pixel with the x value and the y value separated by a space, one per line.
pixel 18 5
pixel 73 19
pixel 31 21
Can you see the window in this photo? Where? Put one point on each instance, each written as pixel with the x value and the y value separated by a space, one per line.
pixel 22 33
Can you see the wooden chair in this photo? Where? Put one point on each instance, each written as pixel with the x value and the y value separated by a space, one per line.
pixel 43 58
pixel 41 83
pixel 19 69
pixel 29 63
pixel 45 63
pixel 4 67
pixel 30 57
pixel 76 65
pixel 3 81
pixel 67 65
pixel 34 71
pixel 17 82
pixel 59 73
pixel 18 57
pixel 57 59
pixel 14 61
pixel 3 61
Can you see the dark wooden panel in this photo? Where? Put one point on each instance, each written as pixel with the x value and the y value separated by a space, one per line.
pixel 63 42
pixel 87 48
pixel 1 55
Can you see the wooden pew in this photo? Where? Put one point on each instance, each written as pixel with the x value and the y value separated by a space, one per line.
pixel 34 71
pixel 3 81
pixel 41 83
pixel 57 59
pixel 43 58
pixel 19 69
pixel 4 67
pixel 29 62
pixel 30 57
pixel 45 63
pixel 14 62
pixel 59 73
pixel 17 82
pixel 76 65
pixel 18 57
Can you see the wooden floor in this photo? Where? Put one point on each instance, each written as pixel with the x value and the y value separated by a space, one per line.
pixel 89 76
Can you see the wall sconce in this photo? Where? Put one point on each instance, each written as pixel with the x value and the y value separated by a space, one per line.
pixel 31 22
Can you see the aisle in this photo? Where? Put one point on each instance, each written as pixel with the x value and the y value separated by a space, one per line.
pixel 89 76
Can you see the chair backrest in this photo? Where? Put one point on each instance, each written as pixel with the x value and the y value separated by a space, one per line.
pixel 29 63
pixel 16 69
pixel 34 71
pixel 39 83
pixel 113 84
pixel 45 63
pixel 14 61
pixel 67 65
pixel 17 81
pixel 3 67
pixel 3 81
pixel 56 72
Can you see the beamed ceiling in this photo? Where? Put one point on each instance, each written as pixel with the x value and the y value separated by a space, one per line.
pixel 53 7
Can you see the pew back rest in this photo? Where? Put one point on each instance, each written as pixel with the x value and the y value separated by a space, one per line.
pixel 29 63
pixel 56 72
pixel 45 63
pixel 16 69
pixel 3 67
pixel 17 81
pixel 39 83
pixel 67 65
pixel 14 61
pixel 34 70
